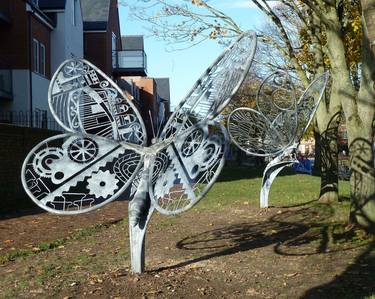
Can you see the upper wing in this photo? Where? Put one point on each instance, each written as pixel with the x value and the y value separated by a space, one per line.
pixel 215 87
pixel 84 100
pixel 308 104
pixel 184 171
pixel 276 95
pixel 72 173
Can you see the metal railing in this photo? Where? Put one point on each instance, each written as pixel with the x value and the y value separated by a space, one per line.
pixel 130 59
pixel 32 119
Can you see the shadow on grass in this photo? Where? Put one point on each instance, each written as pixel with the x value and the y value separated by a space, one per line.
pixel 234 173
pixel 307 231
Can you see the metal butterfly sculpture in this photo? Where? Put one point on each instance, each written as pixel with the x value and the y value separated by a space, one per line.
pixel 276 128
pixel 105 150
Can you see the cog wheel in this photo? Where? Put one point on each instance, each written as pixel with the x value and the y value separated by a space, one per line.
pixel 102 184
pixel 44 159
pixel 73 68
pixel 83 150
pixel 192 143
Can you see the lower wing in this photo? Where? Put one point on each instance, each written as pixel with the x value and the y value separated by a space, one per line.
pixel 253 133
pixel 72 174
pixel 185 171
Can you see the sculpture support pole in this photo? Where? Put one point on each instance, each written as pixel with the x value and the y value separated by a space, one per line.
pixel 272 170
pixel 137 241
pixel 140 212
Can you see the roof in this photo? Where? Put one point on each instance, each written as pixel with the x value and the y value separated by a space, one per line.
pixel 132 42
pixel 42 15
pixel 51 4
pixel 95 14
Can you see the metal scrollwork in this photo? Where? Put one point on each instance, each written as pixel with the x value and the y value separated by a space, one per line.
pixel 104 151
pixel 277 126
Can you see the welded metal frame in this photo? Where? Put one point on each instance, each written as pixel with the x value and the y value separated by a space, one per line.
pixel 273 131
pixel 105 152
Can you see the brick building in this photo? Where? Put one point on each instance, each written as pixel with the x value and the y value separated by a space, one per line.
pixel 102 37
pixel 36 37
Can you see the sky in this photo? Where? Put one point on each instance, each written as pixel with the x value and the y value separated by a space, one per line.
pixel 184 67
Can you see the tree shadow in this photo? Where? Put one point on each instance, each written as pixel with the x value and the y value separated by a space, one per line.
pixel 362 183
pixel 329 156
pixel 306 203
pixel 235 173
pixel 293 233
pixel 357 281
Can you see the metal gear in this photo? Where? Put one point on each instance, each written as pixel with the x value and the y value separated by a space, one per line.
pixel 102 184
pixel 44 159
pixel 192 143
pixel 83 150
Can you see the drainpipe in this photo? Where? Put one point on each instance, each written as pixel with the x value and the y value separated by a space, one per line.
pixel 30 33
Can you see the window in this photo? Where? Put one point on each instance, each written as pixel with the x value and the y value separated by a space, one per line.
pixel 42 66
pixel 35 56
pixel 39 57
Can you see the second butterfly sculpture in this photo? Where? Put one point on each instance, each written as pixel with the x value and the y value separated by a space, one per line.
pixel 275 128
pixel 104 150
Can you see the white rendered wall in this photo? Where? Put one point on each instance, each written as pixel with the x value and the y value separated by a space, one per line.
pixel 67 38
pixel 40 91
pixel 74 36
pixel 58 42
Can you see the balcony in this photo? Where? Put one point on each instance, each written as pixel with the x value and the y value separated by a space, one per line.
pixel 130 63
pixel 6 84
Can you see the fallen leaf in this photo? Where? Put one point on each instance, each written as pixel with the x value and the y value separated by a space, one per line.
pixel 291 274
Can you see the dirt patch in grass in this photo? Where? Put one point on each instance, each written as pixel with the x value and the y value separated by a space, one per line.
pixel 236 252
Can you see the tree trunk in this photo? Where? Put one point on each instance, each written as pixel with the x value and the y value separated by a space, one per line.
pixel 361 130
pixel 328 156
pixel 362 183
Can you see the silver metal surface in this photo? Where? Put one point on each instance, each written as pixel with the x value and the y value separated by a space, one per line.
pixel 214 89
pixel 276 128
pixel 104 151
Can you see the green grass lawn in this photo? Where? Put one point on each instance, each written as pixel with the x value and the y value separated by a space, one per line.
pixel 242 184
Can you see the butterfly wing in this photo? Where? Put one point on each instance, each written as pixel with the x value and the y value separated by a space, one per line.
pixel 253 133
pixel 272 127
pixel 276 95
pixel 214 89
pixel 308 104
pixel 73 173
pixel 188 167
pixel 185 170
pixel 85 100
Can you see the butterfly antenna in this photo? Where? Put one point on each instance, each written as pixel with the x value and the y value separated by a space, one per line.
pixel 152 124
